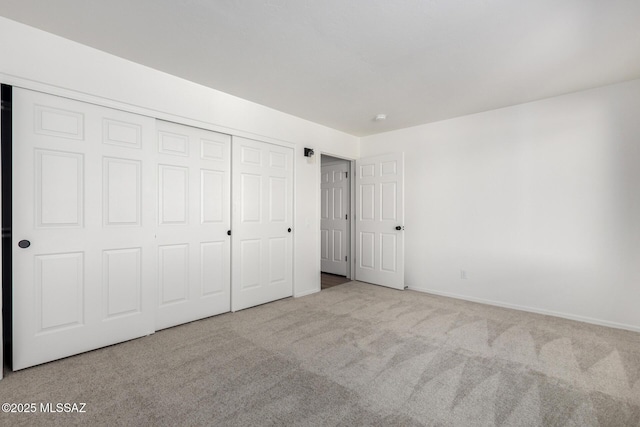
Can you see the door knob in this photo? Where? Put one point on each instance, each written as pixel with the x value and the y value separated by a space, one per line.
pixel 228 232
pixel 399 227
pixel 24 244
pixel 289 229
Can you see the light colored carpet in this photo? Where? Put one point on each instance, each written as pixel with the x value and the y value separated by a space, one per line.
pixel 355 354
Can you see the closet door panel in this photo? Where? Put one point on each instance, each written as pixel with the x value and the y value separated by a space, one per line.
pixel 194 215
pixel 262 259
pixel 83 227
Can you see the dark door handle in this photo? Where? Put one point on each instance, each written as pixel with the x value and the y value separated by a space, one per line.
pixel 399 227
pixel 24 244
pixel 228 232
pixel 289 229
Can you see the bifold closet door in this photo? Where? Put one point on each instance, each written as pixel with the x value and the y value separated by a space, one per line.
pixel 83 227
pixel 262 223
pixel 193 248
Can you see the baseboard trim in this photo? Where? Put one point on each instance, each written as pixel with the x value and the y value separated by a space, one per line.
pixel 305 293
pixel 583 319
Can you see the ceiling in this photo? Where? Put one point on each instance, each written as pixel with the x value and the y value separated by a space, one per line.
pixel 341 62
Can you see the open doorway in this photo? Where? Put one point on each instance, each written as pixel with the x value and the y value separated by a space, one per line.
pixel 335 221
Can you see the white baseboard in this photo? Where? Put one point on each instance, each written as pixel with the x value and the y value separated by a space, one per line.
pixel 305 293
pixel 584 319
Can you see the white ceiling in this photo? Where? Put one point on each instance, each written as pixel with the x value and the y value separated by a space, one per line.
pixel 341 62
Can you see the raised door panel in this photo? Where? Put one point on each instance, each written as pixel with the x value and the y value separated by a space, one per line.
pixel 214 149
pixel 338 204
pixel 212 196
pixel 60 291
pixel 251 156
pixel 122 281
pixel 278 204
pixel 367 250
pixel 173 263
pixel 324 245
pixel 337 245
pixel 122 192
pixel 59 122
pixel 251 202
pixel 214 265
pixel 388 252
pixel 173 143
pixel 124 134
pixel 277 262
pixel 324 203
pixel 367 170
pixel 59 192
pixel 367 203
pixel 388 201
pixel 173 194
pixel 251 263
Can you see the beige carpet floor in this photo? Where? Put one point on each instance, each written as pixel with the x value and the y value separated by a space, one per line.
pixel 355 354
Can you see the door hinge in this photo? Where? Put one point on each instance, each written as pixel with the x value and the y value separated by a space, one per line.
pixel 346 216
pixel 346 174
pixel 345 257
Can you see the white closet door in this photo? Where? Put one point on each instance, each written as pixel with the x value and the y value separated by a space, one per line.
pixel 333 220
pixel 83 227
pixel 193 247
pixel 262 258
pixel 379 220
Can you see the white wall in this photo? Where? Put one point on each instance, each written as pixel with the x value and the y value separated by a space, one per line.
pixel 38 60
pixel 539 203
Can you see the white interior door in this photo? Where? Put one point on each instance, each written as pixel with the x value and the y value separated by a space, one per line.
pixel 83 227
pixel 334 218
pixel 379 220
pixel 192 244
pixel 262 234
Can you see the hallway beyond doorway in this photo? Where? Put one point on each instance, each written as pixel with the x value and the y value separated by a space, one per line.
pixel 328 280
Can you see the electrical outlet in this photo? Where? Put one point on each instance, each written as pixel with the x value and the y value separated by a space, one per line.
pixel 463 274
